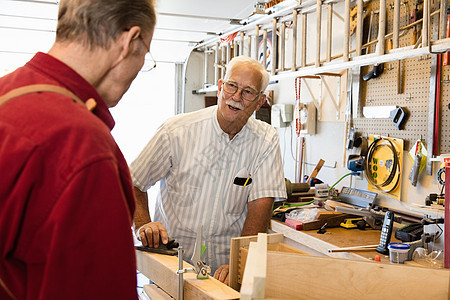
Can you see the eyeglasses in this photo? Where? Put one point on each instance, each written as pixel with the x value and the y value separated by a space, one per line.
pixel 247 93
pixel 149 62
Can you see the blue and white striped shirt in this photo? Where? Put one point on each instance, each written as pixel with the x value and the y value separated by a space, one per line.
pixel 196 164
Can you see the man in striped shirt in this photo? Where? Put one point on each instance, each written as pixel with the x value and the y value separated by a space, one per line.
pixel 218 168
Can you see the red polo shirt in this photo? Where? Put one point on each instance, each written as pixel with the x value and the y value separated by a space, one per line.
pixel 66 199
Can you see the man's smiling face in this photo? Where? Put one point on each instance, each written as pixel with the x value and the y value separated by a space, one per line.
pixel 233 110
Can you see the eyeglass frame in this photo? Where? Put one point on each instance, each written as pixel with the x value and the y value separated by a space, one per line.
pixel 151 56
pixel 224 82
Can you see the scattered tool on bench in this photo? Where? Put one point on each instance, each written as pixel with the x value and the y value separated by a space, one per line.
pixel 167 249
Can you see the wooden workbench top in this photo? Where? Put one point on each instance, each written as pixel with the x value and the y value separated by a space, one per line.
pixel 318 244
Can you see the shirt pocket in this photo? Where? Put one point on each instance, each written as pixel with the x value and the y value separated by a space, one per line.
pixel 237 200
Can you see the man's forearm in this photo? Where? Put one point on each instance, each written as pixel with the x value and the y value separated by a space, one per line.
pixel 142 214
pixel 258 216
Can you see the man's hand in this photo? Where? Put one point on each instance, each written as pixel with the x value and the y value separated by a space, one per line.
pixel 149 234
pixel 221 274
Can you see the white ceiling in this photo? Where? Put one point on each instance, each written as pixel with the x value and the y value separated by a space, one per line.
pixel 28 26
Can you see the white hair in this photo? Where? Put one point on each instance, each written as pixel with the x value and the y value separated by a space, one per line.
pixel 258 66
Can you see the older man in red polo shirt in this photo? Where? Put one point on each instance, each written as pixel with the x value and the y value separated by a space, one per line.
pixel 66 198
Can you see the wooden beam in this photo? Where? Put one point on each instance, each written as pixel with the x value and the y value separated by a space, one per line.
pixel 304 41
pixel 382 27
pixel 426 24
pixel 359 27
pixel 294 40
pixel 282 46
pixel 346 30
pixel 249 44
pixel 396 23
pixel 162 270
pixel 264 49
pixel 256 42
pixel 319 31
pixel 241 45
pixel 216 63
pixel 274 46
pixel 329 30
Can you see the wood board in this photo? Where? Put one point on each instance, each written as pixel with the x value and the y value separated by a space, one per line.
pixel 254 280
pixel 298 276
pixel 310 277
pixel 236 244
pixel 153 292
pixel 161 269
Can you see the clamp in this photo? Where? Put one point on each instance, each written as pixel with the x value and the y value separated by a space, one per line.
pixel 200 268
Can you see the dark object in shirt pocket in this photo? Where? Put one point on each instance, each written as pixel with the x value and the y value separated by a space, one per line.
pixel 242 181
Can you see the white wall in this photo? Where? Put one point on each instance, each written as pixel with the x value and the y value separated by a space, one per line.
pixel 144 107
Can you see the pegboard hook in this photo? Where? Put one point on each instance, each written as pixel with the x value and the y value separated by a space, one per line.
pixel 446 80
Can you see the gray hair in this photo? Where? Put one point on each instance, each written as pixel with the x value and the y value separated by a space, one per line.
pixel 97 22
pixel 258 66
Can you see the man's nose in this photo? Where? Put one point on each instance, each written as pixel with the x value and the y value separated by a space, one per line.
pixel 238 95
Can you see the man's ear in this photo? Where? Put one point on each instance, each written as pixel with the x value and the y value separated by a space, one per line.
pixel 219 87
pixel 127 38
pixel 261 101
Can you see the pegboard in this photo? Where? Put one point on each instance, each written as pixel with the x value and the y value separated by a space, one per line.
pixel 383 90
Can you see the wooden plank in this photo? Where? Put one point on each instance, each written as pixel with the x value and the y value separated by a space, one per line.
pixel 425 23
pixel 329 30
pixel 249 45
pixel 396 23
pixel 216 63
pixel 316 170
pixel 254 282
pixel 265 49
pixel 304 41
pixel 382 27
pixel 236 244
pixel 241 45
pixel 359 26
pixel 331 278
pixel 346 29
pixel 153 292
pixel 161 269
pixel 319 31
pixel 255 51
pixel 274 47
pixel 282 46
pixel 294 40
pixel 278 247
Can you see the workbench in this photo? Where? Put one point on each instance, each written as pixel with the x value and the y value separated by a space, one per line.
pixel 318 244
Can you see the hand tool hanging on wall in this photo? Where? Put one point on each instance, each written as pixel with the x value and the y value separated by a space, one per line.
pixel 397 114
pixel 378 68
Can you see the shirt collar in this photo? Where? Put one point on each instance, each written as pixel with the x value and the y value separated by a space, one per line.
pixel 71 80
pixel 222 133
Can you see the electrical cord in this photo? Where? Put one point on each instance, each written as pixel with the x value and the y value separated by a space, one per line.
pixel 395 165
pixel 295 205
pixel 351 173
